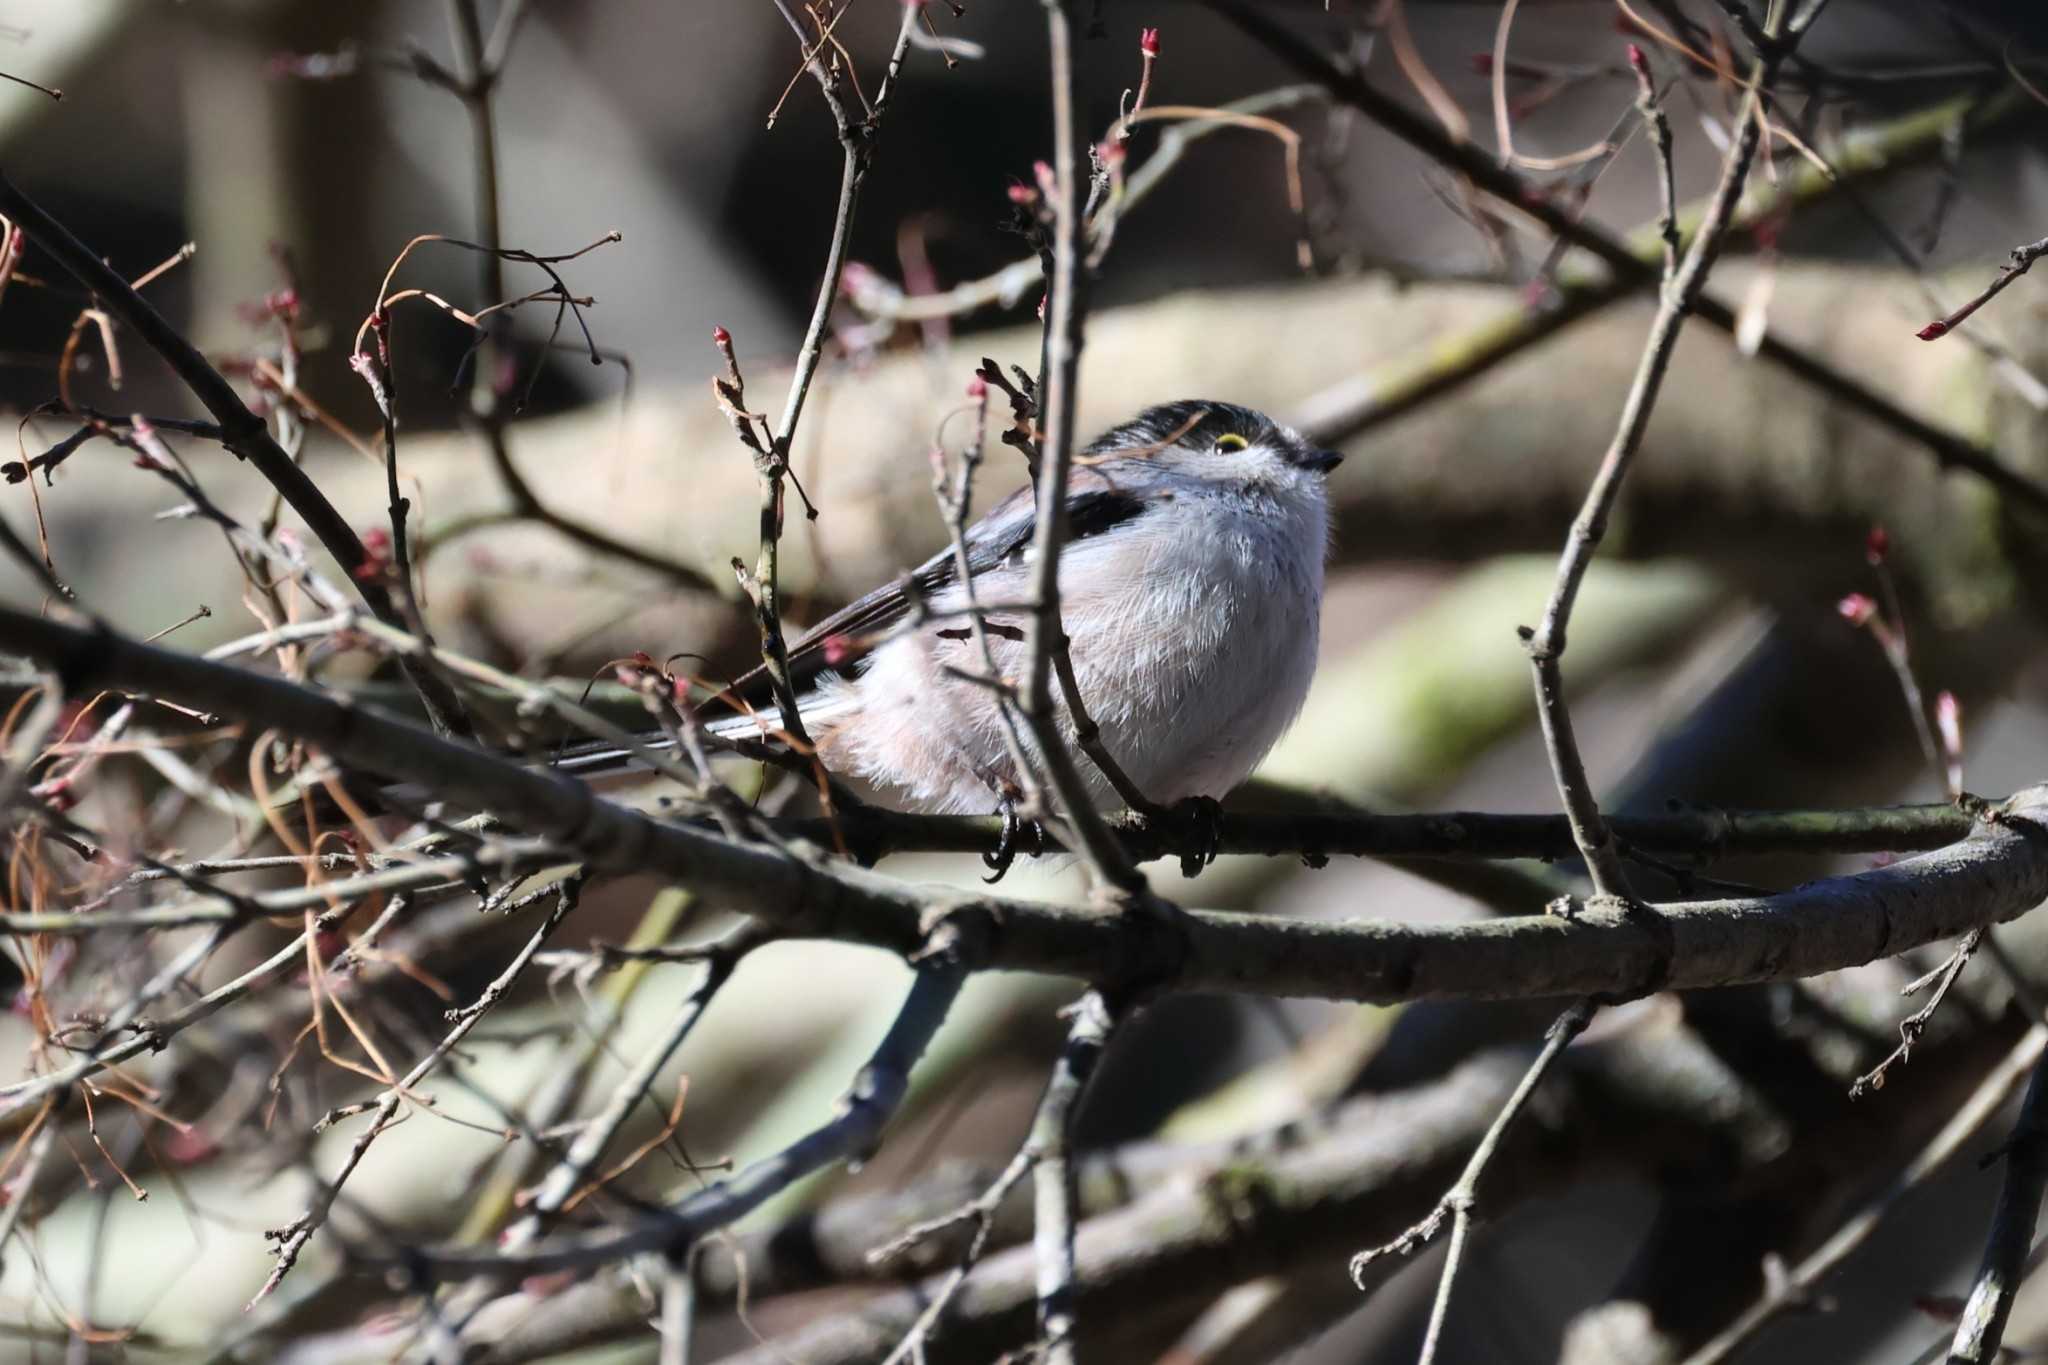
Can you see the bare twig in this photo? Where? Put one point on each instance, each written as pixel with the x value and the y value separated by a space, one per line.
pixel 1459 1201
pixel 1797 1284
pixel 852 1134
pixel 292 1239
pixel 1546 643
pixel 857 143
pixel 1045 636
pixel 1915 1024
pixel 955 506
pixel 574 1169
pixel 1053 1219
pixel 242 431
pixel 2012 1232
pixel 876 297
pixel 2023 258
pixel 479 65
pixel 1949 449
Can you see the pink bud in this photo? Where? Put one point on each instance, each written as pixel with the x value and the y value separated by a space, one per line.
pixel 1933 330
pixel 1877 545
pixel 1023 194
pixel 977 388
pixel 1637 61
pixel 1948 718
pixel 1857 609
pixel 854 277
pixel 1148 42
pixel 838 649
pixel 721 337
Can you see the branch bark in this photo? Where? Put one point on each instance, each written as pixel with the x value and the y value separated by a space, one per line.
pixel 1999 872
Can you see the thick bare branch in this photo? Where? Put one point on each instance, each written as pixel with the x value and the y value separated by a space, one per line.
pixel 1999 872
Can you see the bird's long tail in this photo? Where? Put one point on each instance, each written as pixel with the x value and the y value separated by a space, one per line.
pixel 600 757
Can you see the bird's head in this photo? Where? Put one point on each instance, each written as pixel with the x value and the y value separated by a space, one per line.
pixel 1216 441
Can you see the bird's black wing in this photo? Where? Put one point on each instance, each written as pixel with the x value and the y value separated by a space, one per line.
pixel 1006 529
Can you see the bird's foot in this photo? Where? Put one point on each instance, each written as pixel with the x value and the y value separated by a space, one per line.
pixel 1012 838
pixel 1198 824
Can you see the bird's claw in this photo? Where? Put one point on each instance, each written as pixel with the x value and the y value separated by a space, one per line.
pixel 1010 840
pixel 1200 821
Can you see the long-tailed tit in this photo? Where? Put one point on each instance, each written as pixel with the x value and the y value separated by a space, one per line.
pixel 1191 590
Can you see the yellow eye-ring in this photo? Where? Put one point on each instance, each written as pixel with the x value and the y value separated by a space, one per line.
pixel 1233 441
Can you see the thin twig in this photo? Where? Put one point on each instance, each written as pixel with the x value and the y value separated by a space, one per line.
pixel 570 1174
pixel 1053 1219
pixel 1459 1201
pixel 2012 1232
pixel 474 83
pixel 1915 1024
pixel 242 431
pixel 1796 1286
pixel 857 144
pixel 1949 449
pixel 1045 636
pixel 1546 644
pixel 292 1239
pixel 854 1133
pixel 2023 258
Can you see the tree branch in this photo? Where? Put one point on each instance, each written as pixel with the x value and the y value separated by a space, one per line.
pixel 242 431
pixel 1999 872
pixel 1470 161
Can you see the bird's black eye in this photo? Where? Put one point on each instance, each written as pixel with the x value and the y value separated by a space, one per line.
pixel 1231 442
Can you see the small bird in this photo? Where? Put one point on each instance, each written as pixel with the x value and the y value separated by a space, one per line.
pixel 1191 588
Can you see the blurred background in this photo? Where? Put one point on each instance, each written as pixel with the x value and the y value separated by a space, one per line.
pixel 300 149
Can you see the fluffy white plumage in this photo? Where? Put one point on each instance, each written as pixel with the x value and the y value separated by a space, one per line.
pixel 1191 592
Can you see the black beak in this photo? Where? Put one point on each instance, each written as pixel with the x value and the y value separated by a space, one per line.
pixel 1321 461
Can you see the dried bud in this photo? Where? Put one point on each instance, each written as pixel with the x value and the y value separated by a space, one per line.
pixel 1857 609
pixel 1877 545
pixel 1482 63
pixel 1148 42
